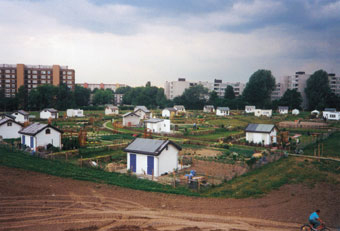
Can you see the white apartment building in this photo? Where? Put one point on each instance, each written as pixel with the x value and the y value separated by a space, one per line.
pixel 334 83
pixel 280 87
pixel 173 89
pixel 103 86
pixel 297 81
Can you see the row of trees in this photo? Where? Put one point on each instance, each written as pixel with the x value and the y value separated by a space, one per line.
pixel 257 92
pixel 46 96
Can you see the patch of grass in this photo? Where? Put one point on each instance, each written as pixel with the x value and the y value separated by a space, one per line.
pixel 274 175
pixel 331 146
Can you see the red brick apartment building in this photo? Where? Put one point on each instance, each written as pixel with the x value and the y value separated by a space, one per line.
pixel 13 76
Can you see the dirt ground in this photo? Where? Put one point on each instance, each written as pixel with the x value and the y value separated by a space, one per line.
pixel 35 201
pixel 217 170
pixel 201 152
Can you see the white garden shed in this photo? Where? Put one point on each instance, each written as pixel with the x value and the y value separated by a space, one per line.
pixel 331 115
pixel 283 110
pixel 209 108
pixel 168 112
pixel 111 110
pixel 157 125
pixel 152 157
pixel 222 111
pixel 9 128
pixel 74 113
pixel 37 134
pixel 21 116
pixel 250 109
pixel 295 111
pixel 131 119
pixel 261 133
pixel 143 112
pixel 49 113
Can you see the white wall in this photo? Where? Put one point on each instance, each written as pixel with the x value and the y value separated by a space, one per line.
pixel 283 111
pixel 208 109
pixel 221 113
pixel 131 118
pixel 166 113
pixel 160 127
pixel 260 112
pixel 43 139
pixel 257 137
pixel 167 161
pixel 47 115
pixel 108 111
pixel 75 113
pixel 331 115
pixel 10 132
pixel 53 138
pixel 20 118
pixel 250 109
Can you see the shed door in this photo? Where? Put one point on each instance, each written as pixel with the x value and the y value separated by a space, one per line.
pixel 23 140
pixel 150 165
pixel 133 162
pixel 32 141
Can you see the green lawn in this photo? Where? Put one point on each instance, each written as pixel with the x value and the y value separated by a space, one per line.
pixel 274 175
pixel 331 146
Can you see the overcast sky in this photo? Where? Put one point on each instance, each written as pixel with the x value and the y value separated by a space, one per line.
pixel 134 41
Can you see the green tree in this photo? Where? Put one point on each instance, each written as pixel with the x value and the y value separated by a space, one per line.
pixel 102 97
pixel 65 97
pixel 259 88
pixel 193 97
pixel 44 96
pixel 317 90
pixel 22 97
pixel 81 96
pixel 291 98
pixel 122 90
pixel 229 93
pixel 213 98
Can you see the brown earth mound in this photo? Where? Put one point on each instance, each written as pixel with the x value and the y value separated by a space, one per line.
pixel 35 201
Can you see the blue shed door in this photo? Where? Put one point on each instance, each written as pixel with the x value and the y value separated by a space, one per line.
pixel 150 165
pixel 133 162
pixel 32 142
pixel 23 140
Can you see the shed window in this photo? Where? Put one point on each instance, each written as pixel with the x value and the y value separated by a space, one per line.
pixel 48 131
pixel 9 124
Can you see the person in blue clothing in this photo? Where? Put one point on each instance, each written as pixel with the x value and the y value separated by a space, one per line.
pixel 314 219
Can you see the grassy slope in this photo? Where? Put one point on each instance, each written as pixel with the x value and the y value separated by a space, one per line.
pixel 331 146
pixel 58 168
pixel 255 183
pixel 274 175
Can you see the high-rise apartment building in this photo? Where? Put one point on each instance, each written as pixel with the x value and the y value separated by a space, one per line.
pixel 297 81
pixel 13 76
pixel 281 87
pixel 334 83
pixel 220 87
pixel 173 89
pixel 103 86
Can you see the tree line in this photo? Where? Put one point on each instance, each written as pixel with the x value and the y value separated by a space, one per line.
pixel 257 92
pixel 46 96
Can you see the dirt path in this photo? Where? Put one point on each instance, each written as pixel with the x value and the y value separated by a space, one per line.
pixel 35 201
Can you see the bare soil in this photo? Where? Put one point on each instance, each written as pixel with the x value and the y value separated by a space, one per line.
pixel 201 152
pixel 217 170
pixel 35 201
